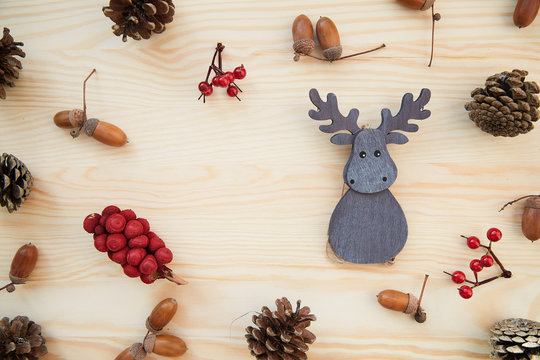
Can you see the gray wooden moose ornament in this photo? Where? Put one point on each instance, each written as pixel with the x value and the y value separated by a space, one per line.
pixel 368 225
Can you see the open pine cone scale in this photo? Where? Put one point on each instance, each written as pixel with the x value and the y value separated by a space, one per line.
pixel 21 339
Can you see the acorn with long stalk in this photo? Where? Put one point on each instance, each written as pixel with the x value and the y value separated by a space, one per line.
pixel 425 5
pixel 406 303
pixel 22 265
pixel 530 220
pixel 76 120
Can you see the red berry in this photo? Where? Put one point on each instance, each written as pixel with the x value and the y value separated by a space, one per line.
pixel 232 91
pixel 116 242
pixel 458 277
pixel 476 265
pixel 151 234
pixel 148 265
pixel 145 224
pixel 90 222
pixel 115 224
pixel 128 214
pixel 487 260
pixel 208 92
pixel 135 256
pixel 109 210
pixel 120 256
pixel 155 244
pixel 230 76
pixel 215 81
pixel 494 234
pixel 204 87
pixel 99 230
pixel 140 241
pixel 465 291
pixel 240 72
pixel 146 279
pixel 223 81
pixel 103 220
pixel 163 256
pixel 100 242
pixel 133 229
pixel 131 271
pixel 473 242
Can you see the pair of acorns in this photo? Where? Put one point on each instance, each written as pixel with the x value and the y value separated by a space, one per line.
pixel 164 345
pixel 327 34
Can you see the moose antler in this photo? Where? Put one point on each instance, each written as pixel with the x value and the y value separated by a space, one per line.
pixel 409 110
pixel 329 111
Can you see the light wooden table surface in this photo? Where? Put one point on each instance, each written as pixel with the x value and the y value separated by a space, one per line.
pixel 242 192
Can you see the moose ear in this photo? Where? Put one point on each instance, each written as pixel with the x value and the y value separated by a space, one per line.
pixel 396 138
pixel 342 139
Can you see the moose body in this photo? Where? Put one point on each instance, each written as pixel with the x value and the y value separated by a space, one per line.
pixel 368 225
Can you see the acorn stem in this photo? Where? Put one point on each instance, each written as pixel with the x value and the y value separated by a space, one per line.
pixel 5 287
pixel 515 201
pixel 343 57
pixel 432 33
pixel 84 92
pixel 422 292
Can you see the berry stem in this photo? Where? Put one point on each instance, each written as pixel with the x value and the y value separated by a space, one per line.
pixel 505 273
pixel 5 287
pixel 515 201
pixel 218 71
pixel 487 280
pixel 476 278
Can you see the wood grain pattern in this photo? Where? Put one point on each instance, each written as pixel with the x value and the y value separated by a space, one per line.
pixel 242 191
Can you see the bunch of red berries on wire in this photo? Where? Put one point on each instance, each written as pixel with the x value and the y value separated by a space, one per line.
pixel 477 265
pixel 129 242
pixel 224 79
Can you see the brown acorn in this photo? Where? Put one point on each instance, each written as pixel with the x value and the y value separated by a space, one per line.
pixel 530 220
pixel 76 119
pixel 417 4
pixel 22 265
pixel 525 12
pixel 328 36
pixel 302 31
pixel 169 345
pixel 125 355
pixel 406 303
pixel 162 314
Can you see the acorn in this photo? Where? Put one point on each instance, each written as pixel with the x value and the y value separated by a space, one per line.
pixel 417 4
pixel 328 36
pixel 164 345
pixel 530 220
pixel 302 31
pixel 525 12
pixel 22 265
pixel 406 303
pixel 161 315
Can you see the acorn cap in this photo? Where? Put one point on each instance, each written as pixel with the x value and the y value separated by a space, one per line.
pixel 533 202
pixel 412 305
pixel 333 53
pixel 304 46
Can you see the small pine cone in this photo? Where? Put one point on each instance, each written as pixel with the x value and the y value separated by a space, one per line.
pixel 507 106
pixel 9 65
pixel 515 339
pixel 138 19
pixel 15 182
pixel 282 334
pixel 20 339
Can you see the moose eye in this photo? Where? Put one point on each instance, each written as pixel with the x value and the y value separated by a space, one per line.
pixel 362 154
pixel 377 153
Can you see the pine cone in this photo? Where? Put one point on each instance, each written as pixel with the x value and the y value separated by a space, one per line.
pixel 139 18
pixel 15 182
pixel 282 334
pixel 515 339
pixel 507 106
pixel 21 339
pixel 9 66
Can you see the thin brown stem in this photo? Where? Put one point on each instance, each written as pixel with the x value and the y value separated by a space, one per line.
pixel 432 33
pixel 218 71
pixel 422 292
pixel 343 57
pixel 5 287
pixel 515 201
pixel 486 281
pixel 84 92
pixel 174 279
pixel 505 273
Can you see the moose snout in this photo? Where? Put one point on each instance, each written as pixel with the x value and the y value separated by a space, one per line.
pixel 384 178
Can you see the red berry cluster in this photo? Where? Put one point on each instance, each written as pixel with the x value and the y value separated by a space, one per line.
pixel 477 265
pixel 130 243
pixel 224 79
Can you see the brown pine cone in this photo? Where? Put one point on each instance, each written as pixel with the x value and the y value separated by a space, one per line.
pixel 138 19
pixel 515 339
pixel 15 182
pixel 282 334
pixel 20 339
pixel 507 106
pixel 9 65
